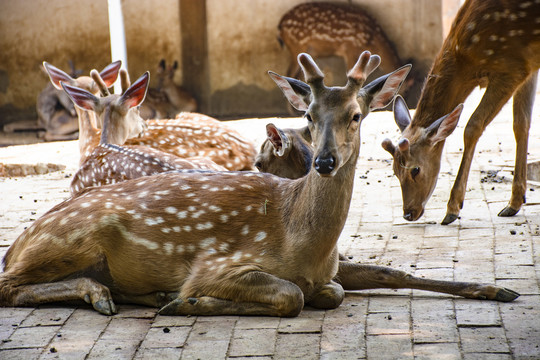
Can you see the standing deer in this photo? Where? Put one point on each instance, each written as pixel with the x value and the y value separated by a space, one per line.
pixel 332 29
pixel 216 243
pixel 491 42
pixel 189 135
pixel 167 99
pixel 109 163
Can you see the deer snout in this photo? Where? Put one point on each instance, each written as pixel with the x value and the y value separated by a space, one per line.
pixel 325 165
pixel 412 214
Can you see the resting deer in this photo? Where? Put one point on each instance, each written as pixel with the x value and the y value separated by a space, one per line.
pixel 167 99
pixel 109 163
pixel 189 135
pixel 216 243
pixel 491 42
pixel 331 29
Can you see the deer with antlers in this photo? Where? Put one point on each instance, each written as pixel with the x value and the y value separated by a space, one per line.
pixel 210 243
pixel 493 43
pixel 110 163
pixel 189 135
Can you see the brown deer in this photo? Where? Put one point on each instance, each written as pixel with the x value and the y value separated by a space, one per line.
pixel 189 135
pixel 167 99
pixel 331 29
pixel 493 43
pixel 286 153
pixel 211 243
pixel 109 163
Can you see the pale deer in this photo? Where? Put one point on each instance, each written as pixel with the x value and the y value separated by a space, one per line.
pixel 286 153
pixel 227 242
pixel 211 243
pixel 109 163
pixel 167 99
pixel 332 29
pixel 89 135
pixel 493 43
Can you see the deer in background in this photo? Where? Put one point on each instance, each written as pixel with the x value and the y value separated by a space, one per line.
pixel 189 135
pixel 210 243
pixel 167 99
pixel 332 29
pixel 491 43
pixel 109 163
pixel 56 113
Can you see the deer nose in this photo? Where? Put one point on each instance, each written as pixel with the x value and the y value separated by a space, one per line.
pixel 325 165
pixel 408 216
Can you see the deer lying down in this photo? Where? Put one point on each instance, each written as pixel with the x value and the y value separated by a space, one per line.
pixel 110 163
pixel 491 42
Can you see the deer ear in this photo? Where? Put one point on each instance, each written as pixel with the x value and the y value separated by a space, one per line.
pixel 297 92
pixel 110 73
pixel 381 91
pixel 278 139
pixel 56 75
pixel 81 98
pixel 444 126
pixel 401 113
pixel 136 93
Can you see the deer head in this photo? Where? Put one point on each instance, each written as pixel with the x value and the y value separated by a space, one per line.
pixel 417 156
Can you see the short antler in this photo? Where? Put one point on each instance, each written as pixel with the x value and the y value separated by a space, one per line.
pixel 365 65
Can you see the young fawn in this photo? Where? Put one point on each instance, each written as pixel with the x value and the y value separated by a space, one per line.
pixel 493 43
pixel 189 135
pixel 167 99
pixel 109 163
pixel 215 242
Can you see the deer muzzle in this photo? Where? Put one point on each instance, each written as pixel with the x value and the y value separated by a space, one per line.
pixel 325 165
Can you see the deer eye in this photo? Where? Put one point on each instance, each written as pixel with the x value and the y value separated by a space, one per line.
pixel 356 117
pixel 308 117
pixel 415 171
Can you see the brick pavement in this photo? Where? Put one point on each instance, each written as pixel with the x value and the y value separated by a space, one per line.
pixel 375 324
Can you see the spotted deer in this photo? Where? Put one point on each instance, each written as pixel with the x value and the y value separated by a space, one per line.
pixel 189 135
pixel 493 43
pixel 89 134
pixel 210 243
pixel 110 163
pixel 167 99
pixel 331 29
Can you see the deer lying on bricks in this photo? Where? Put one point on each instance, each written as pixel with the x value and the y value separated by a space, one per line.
pixel 210 243
pixel 189 135
pixel 110 163
pixel 493 43
pixel 167 99
pixel 332 29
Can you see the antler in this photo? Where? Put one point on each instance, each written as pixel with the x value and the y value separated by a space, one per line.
pixel 313 75
pixel 100 83
pixel 365 65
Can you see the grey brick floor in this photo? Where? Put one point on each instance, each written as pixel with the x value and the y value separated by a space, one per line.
pixel 375 324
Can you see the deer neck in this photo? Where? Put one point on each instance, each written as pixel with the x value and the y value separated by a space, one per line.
pixel 88 134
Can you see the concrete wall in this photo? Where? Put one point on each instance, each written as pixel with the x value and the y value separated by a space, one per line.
pixel 240 45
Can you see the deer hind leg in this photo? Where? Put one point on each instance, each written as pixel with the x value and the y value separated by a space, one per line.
pixel 252 293
pixel 85 289
pixel 523 104
pixel 330 296
pixel 157 299
pixel 498 92
pixel 354 276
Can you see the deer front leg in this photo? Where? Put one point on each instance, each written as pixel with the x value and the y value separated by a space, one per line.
pixel 522 108
pixel 362 277
pixel 254 293
pixel 497 94
pixel 330 296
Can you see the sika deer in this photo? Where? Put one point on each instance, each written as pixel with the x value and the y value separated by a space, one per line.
pixel 327 29
pixel 491 42
pixel 218 242
pixel 109 163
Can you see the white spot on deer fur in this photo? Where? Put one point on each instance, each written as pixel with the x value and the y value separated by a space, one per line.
pixel 180 249
pixel 228 188
pixel 119 207
pixel 236 256
pixel 171 210
pixel 261 235
pixel 525 4
pixel 151 245
pixel 489 52
pixel 207 242
pixel 475 39
pixel 85 205
pixel 150 222
pixel 249 208
pixel 181 214
pixel 245 230
pixel 143 194
pixel 223 246
pixel 204 226
pixel 493 38
pixel 214 208
pixel 166 230
pixel 187 228
pixel 224 218
pixel 234 213
pixel 197 214
pixel 176 228
pixel 168 247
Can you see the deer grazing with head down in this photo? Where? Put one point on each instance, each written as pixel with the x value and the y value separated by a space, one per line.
pixel 189 135
pixel 167 99
pixel 209 243
pixel 493 43
pixel 110 163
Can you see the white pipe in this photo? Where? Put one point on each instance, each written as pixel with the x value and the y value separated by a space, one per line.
pixel 118 37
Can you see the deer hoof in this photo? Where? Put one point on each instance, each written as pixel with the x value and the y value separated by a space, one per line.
pixel 506 295
pixel 105 307
pixel 449 218
pixel 508 211
pixel 171 308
